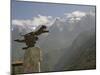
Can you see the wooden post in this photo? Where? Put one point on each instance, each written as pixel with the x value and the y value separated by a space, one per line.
pixel 32 60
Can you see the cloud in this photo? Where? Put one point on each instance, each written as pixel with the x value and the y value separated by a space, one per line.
pixel 39 20
pixel 17 22
pixel 42 20
pixel 32 24
pixel 75 16
pixel 79 18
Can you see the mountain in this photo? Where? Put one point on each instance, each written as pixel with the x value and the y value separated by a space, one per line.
pixel 61 35
pixel 80 55
pixel 16 48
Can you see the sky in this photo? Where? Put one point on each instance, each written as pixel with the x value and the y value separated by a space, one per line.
pixel 27 10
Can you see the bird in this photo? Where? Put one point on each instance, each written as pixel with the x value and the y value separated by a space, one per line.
pixel 31 38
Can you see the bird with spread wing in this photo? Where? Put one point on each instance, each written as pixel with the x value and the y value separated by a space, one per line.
pixel 31 38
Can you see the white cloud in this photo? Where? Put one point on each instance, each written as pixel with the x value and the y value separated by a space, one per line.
pixel 75 16
pixel 39 20
pixel 79 18
pixel 17 22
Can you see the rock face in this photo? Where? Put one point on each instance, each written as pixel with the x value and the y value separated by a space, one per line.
pixel 32 59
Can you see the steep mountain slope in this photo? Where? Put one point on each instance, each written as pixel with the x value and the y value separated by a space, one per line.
pixel 60 38
pixel 81 54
